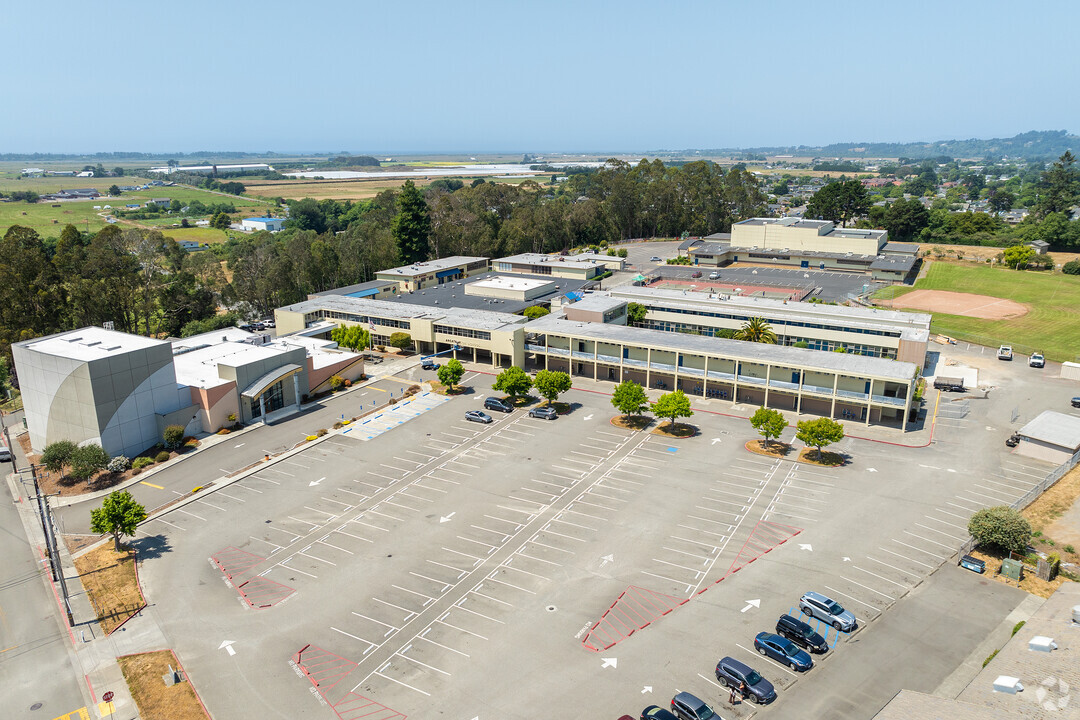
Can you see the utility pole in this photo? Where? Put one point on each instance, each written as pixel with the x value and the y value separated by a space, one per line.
pixel 45 513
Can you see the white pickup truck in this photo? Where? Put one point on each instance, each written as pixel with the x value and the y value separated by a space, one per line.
pixel 1005 352
pixel 1037 360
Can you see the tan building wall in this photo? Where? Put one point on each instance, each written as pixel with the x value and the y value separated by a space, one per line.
pixel 289 322
pixel 215 405
pixel 773 236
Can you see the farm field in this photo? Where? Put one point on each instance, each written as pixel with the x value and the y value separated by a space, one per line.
pixel 1051 325
pixel 350 189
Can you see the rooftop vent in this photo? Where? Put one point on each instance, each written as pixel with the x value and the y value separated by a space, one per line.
pixel 1007 684
pixel 1041 643
pixel 1076 614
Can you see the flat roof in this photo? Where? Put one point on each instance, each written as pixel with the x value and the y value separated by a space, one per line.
pixel 840 314
pixel 1054 428
pixel 597 302
pixel 509 282
pixel 842 363
pixel 89 343
pixel 913 705
pixel 786 222
pixel 262 219
pixel 357 288
pixel 896 263
pixel 398 309
pixel 452 294
pixel 900 247
pixel 199 367
pixel 541 259
pixel 422 268
pixel 213 337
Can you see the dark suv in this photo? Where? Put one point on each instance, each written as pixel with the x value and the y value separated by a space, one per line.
pixel 730 672
pixel 801 634
pixel 690 707
pixel 493 403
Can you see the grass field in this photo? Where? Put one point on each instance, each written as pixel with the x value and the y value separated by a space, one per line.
pixel 1052 324
pixel 353 189
pixel 110 580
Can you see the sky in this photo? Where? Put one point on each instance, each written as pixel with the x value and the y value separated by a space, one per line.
pixel 518 76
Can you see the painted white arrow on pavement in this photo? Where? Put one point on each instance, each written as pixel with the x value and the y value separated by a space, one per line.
pixel 751 604
pixel 227 645
pixel 847 559
pixel 446 518
pixel 715 440
pixel 871 470
pixel 607 559
pixel 609 662
pixel 587 417
pixel 316 482
pixel 806 546
pixel 646 689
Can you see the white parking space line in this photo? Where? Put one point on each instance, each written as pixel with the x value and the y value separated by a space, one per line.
pixel 552 547
pixel 548 529
pixel 934 542
pixel 501 582
pixel 203 502
pixel 444 647
pixel 905 557
pixel 670 580
pixel 292 569
pixel 945 522
pixel 778 665
pixel 356 537
pixel 882 577
pixel 941 532
pixel 354 637
pixel 409 614
pixel 314 557
pixel 939 557
pixel 189 513
pixel 429 667
pixel 855 599
pixel 476 560
pixel 387 677
pixel 988 497
pixel 951 514
pixel 350 552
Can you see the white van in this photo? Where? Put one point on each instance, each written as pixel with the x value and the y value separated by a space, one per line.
pixel 5 451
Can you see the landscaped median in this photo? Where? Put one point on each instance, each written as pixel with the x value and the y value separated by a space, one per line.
pixel 155 699
pixel 111 581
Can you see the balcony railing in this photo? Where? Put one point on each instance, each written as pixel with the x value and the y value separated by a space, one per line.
pixel 816 389
pixel 786 385
pixel 747 380
pixel 851 394
pixel 888 400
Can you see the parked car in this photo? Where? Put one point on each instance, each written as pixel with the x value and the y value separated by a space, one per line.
pixel 477 416
pixel 1037 360
pixel 429 364
pixel 544 413
pixel 695 274
pixel 493 403
pixel 783 651
pixel 1076 402
pixel 730 672
pixel 1013 440
pixel 654 258
pixel 827 610
pixel 655 712
pixel 1004 352
pixel 714 275
pixel 801 634
pixel 690 707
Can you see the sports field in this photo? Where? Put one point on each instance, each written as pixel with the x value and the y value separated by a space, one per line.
pixel 1052 323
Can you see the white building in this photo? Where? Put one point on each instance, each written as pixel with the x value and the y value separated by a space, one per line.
pixel 254 224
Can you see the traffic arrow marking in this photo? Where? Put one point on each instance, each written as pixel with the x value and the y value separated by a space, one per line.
pixel 607 559
pixel 609 662
pixel 871 470
pixel 446 518
pixel 587 417
pixel 646 689
pixel 847 559
pixel 806 546
pixel 715 440
pixel 316 482
pixel 751 604
pixel 227 645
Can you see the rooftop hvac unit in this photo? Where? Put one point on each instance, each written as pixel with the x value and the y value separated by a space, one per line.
pixel 1076 614
pixel 1007 684
pixel 1041 643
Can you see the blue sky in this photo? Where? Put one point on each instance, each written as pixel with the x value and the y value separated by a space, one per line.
pixel 529 76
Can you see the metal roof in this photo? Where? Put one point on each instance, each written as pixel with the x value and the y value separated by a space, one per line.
pixel 1054 428
pixel 257 388
pixel 423 268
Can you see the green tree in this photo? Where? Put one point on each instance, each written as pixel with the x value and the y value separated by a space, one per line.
pixel 1001 527
pixel 905 218
pixel 536 311
pixel 1018 255
pixel 672 405
pixel 819 433
pixel 1071 268
pixel 176 206
pixel 769 423
pixel 551 383
pixel 114 190
pixel 118 515
pixel 635 313
pixel 629 398
pixel 354 337
pixel 411 227
pixel 86 460
pixel 1001 200
pixel 118 171
pixel 839 202
pixel 1059 187
pixel 513 381
pixel 756 330
pixel 401 340
pixel 173 436
pixel 221 221
pixel 450 373
pixel 57 454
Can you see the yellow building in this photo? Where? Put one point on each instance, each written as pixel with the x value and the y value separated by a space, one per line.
pixel 434 272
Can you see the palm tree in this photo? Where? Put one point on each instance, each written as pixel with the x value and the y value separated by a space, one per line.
pixel 756 330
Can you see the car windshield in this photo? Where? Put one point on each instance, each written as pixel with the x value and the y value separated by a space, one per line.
pixel 705 712
pixel 836 608
pixel 791 651
pixel 752 678
pixel 807 632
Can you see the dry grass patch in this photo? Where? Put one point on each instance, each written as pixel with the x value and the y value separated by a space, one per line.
pixel 112 585
pixel 773 449
pixel 631 422
pixel 75 543
pixel 155 701
pixel 1030 583
pixel 675 430
pixel 810 456
pixel 1053 503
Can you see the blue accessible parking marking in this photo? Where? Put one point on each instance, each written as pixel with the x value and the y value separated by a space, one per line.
pixel 671 449
pixel 818 626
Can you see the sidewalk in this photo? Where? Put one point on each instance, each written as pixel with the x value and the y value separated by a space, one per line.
pixel 852 429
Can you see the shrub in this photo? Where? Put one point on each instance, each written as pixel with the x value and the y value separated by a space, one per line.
pixel 1069 549
pixel 231 417
pixel 223 431
pixel 1001 527
pixel 380 348
pixel 118 464
pixel 336 382
pixel 141 462
pixel 1071 268
pixel 1054 561
pixel 1017 626
pixel 337 425
pixel 86 460
pixel 173 436
pixel 320 432
pixel 57 454
pixel 348 383
pixel 162 456
pixel 989 658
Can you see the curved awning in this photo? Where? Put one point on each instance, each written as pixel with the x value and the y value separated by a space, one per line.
pixel 257 388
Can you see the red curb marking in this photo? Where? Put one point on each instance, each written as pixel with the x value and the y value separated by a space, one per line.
pixel 630 613
pixel 258 592
pixel 313 662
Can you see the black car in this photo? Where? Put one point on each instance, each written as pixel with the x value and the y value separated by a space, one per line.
pixel 494 403
pixel 1076 402
pixel 801 634
pixel 655 712
pixel 730 673
pixel 690 707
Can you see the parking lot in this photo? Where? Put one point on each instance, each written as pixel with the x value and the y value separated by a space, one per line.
pixel 490 570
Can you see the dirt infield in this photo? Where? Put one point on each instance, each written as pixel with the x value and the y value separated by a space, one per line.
pixel 955 303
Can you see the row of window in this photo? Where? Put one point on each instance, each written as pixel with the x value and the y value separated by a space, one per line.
pixel 811 343
pixel 335 315
pixel 463 332
pixel 771 321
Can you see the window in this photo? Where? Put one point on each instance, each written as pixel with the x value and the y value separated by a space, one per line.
pixel 463 332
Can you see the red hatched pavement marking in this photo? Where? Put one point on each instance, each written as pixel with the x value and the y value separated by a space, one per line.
pixel 325 670
pixel 636 607
pixel 234 561
pixel 259 592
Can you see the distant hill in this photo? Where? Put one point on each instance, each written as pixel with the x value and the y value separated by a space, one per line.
pixel 1034 145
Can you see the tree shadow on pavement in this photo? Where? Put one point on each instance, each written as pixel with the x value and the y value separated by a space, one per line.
pixel 151 547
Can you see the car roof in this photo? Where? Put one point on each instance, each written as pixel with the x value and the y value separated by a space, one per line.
pixel 738 665
pixel 817 596
pixel 790 620
pixel 689 699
